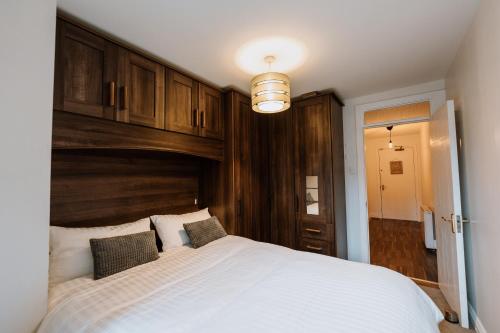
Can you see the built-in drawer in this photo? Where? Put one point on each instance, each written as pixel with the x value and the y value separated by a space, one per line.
pixel 315 230
pixel 316 246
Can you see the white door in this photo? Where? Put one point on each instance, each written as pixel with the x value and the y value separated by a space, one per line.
pixel 448 210
pixel 398 188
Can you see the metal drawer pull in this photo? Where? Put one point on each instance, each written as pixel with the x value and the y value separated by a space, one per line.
pixel 316 231
pixel 314 248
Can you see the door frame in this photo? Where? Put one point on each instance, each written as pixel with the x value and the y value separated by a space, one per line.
pixel 436 100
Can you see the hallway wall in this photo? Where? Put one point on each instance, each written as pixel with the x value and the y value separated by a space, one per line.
pixel 372 145
pixel 473 82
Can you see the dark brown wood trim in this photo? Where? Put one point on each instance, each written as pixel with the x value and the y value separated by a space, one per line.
pixel 72 131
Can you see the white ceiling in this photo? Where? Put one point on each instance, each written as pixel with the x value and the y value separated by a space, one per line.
pixel 398 130
pixel 356 47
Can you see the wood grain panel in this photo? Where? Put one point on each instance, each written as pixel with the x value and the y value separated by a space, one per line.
pixel 95 187
pixel 141 92
pixel 246 168
pixel 211 116
pixel 281 180
pixel 182 98
pixel 84 69
pixel 77 132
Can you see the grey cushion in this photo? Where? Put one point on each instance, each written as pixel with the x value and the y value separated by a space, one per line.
pixel 203 232
pixel 115 254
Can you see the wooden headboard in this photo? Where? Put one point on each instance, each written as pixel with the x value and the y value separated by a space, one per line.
pixel 108 187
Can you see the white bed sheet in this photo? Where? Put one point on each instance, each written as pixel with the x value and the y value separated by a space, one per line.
pixel 238 285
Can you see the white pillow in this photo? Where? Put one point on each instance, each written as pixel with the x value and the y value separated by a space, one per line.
pixel 170 228
pixel 70 254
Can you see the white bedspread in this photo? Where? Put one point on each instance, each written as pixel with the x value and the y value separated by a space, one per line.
pixel 238 285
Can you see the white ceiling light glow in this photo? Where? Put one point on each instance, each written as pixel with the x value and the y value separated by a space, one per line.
pixel 288 53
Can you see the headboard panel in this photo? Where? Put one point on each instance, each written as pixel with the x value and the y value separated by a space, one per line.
pixel 109 187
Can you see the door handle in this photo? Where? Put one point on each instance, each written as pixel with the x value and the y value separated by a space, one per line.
pixel 451 220
pixel 112 95
pixel 195 118
pixel 202 119
pixel 124 98
pixel 382 187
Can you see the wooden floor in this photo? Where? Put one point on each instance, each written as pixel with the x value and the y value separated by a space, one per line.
pixel 399 245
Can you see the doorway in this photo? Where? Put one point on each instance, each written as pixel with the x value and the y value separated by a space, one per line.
pixel 399 188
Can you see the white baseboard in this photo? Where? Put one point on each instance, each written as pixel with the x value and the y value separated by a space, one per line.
pixel 476 321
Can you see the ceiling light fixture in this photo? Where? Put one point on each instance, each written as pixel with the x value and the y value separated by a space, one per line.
pixel 389 128
pixel 270 91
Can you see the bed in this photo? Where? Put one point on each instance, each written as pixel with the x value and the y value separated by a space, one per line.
pixel 238 285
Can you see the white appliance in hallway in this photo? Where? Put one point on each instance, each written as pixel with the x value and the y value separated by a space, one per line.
pixel 398 191
pixel 448 210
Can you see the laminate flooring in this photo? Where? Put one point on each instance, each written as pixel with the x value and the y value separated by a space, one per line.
pixel 399 245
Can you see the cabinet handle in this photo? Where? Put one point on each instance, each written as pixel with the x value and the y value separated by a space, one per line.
pixel 112 95
pixel 316 231
pixel 296 204
pixel 195 117
pixel 314 248
pixel 125 98
pixel 202 119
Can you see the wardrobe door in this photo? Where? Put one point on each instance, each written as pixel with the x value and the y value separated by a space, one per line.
pixel 211 116
pixel 182 97
pixel 313 173
pixel 141 90
pixel 243 148
pixel 85 72
pixel 281 179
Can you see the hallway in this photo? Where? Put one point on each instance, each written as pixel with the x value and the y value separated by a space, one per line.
pixel 399 245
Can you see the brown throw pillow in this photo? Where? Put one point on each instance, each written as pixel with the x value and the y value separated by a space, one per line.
pixel 203 232
pixel 115 254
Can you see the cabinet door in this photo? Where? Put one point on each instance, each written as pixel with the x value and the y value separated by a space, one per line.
pixel 85 72
pixel 181 112
pixel 211 117
pixel 141 90
pixel 243 138
pixel 313 156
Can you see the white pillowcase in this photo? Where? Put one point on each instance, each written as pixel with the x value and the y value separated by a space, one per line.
pixel 170 228
pixel 70 254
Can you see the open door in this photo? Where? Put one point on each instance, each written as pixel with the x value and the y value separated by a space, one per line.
pixel 448 211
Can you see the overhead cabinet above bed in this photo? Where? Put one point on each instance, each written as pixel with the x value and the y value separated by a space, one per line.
pixel 97 77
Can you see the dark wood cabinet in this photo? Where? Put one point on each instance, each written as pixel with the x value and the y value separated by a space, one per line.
pixel 85 72
pixel 211 116
pixel 246 168
pixel 306 173
pixel 97 77
pixel 319 175
pixel 182 107
pixel 140 90
pixel 193 108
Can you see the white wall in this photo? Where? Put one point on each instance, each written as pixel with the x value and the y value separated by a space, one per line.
pixel 27 34
pixel 426 166
pixel 372 145
pixel 474 83
pixel 357 225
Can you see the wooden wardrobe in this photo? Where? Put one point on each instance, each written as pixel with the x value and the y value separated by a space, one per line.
pixel 285 173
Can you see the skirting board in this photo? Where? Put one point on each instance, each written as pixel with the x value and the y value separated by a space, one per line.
pixel 476 321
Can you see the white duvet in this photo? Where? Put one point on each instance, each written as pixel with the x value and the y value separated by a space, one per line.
pixel 238 285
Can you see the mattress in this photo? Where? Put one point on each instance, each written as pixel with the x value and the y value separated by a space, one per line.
pixel 238 285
